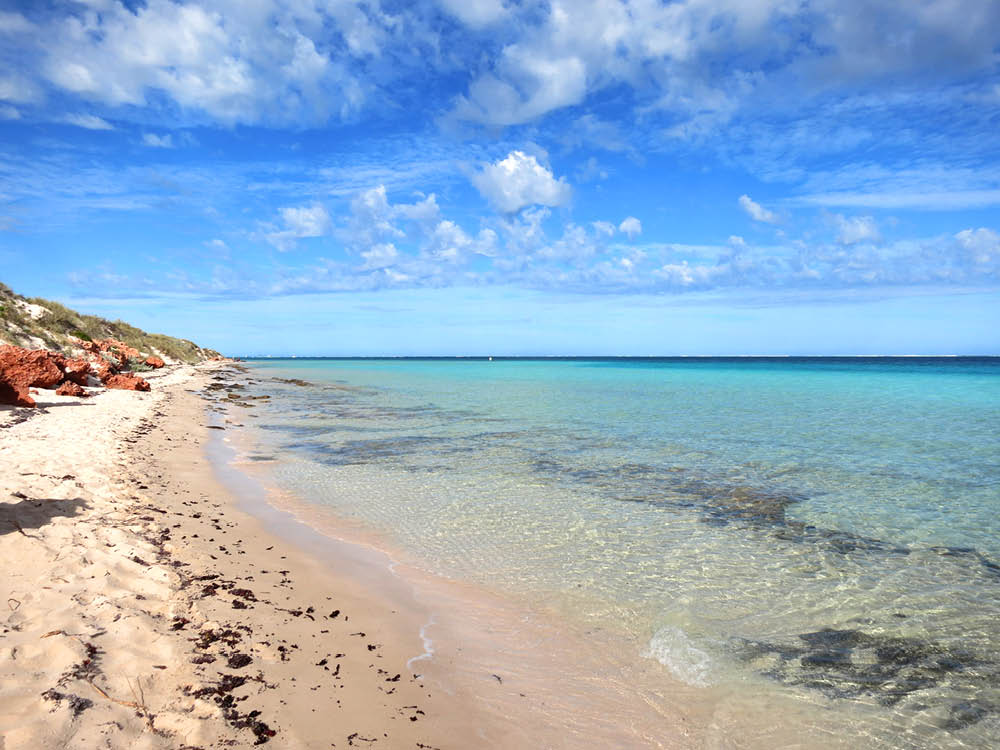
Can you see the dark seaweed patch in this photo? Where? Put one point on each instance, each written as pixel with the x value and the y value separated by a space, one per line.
pixel 849 663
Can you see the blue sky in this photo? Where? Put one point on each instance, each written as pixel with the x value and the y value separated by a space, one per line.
pixel 500 177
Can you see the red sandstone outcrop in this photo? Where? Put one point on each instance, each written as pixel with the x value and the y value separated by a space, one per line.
pixel 126 382
pixel 103 370
pixel 31 367
pixel 13 394
pixel 22 369
pixel 69 388
pixel 76 370
pixel 117 350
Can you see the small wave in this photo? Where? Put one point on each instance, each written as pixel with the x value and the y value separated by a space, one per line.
pixel 673 648
pixel 427 643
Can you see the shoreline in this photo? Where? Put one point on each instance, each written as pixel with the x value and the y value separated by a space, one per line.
pixel 531 680
pixel 541 679
pixel 195 606
pixel 145 610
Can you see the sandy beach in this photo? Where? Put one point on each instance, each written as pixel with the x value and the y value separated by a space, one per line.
pixel 141 608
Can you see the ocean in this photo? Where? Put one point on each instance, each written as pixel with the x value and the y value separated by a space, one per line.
pixel 814 536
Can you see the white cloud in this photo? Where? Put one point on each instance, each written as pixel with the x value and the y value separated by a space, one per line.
pixel 14 23
pixel 631 227
pixel 605 228
pixel 475 13
pixel 236 62
pixel 380 256
pixel 449 242
pixel 932 200
pixel 307 221
pixel 216 244
pixel 982 245
pixel 90 122
pixel 685 275
pixel 9 113
pixel 681 54
pixel 19 89
pixel 299 222
pixel 856 229
pixel 374 219
pixel 423 210
pixel 756 211
pixel 518 181
pixel 158 141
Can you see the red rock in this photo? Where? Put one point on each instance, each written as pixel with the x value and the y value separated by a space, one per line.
pixel 155 362
pixel 126 382
pixel 118 351
pixel 104 370
pixel 13 394
pixel 76 370
pixel 69 388
pixel 31 367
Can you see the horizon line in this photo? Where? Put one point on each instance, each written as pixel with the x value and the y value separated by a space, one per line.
pixel 615 356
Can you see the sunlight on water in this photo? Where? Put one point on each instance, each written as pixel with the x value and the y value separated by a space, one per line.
pixel 826 530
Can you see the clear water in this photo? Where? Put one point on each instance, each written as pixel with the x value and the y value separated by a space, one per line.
pixel 826 529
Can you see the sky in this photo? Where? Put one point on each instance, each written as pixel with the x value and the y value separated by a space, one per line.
pixel 439 177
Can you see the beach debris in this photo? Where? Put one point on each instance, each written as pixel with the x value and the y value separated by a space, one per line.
pixel 76 704
pixel 238 661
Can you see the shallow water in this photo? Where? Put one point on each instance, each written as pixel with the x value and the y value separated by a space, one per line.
pixel 826 530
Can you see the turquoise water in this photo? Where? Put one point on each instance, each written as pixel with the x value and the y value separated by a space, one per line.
pixel 827 529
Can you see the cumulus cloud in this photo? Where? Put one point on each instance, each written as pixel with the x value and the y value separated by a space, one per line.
pixel 981 246
pixel 307 221
pixel 379 256
pixel 158 141
pixel 374 220
pixel 235 62
pixel 307 62
pixel 450 243
pixel 517 181
pixel 856 229
pixel 631 227
pixel 90 122
pixel 680 54
pixel 756 211
pixel 299 222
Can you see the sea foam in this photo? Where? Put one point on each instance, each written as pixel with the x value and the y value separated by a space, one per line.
pixel 675 650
